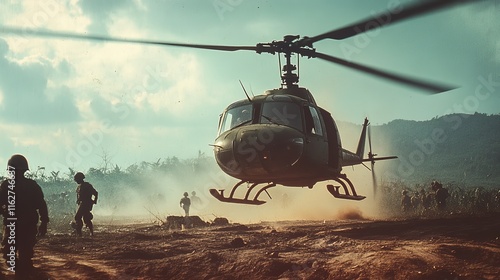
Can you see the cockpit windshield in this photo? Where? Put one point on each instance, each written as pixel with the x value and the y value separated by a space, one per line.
pixel 237 116
pixel 284 113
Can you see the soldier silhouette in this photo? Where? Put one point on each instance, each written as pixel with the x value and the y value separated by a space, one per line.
pixel 195 200
pixel 22 205
pixel 441 195
pixel 84 193
pixel 185 203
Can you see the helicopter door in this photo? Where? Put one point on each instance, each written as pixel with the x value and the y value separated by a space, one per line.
pixel 334 145
pixel 316 142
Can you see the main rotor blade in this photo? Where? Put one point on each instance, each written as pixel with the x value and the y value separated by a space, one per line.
pixel 66 35
pixel 428 86
pixel 384 19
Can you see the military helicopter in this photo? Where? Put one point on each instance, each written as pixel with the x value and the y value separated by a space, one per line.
pixel 283 137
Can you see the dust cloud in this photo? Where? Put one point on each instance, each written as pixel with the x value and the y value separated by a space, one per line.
pixel 350 214
pixel 153 199
pixel 152 196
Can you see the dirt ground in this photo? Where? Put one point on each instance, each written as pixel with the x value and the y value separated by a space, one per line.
pixel 441 248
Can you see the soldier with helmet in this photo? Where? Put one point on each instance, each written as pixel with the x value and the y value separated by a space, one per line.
pixel 86 197
pixel 441 194
pixel 22 205
pixel 185 203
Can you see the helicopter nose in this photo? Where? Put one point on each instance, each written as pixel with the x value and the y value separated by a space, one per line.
pixel 223 149
pixel 267 149
pixel 258 150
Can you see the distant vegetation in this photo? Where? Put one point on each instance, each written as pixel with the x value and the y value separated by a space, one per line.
pixel 463 149
pixel 137 176
pixel 138 189
pixel 459 149
pixel 462 200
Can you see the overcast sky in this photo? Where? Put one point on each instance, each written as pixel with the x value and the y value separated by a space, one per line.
pixel 65 103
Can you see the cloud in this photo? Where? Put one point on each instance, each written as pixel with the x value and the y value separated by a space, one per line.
pixel 166 100
pixel 26 95
pixel 4 48
pixel 99 12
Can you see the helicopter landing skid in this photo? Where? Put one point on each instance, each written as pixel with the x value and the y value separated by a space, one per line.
pixel 334 190
pixel 219 194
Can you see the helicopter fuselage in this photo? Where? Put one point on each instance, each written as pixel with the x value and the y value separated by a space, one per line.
pixel 280 137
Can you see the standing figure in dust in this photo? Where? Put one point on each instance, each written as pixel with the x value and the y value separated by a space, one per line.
pixel 22 205
pixel 84 193
pixel 405 202
pixel 441 195
pixel 415 201
pixel 195 200
pixel 185 203
pixel 426 201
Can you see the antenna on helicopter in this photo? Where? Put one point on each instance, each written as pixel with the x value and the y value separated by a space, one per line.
pixel 244 90
pixel 251 91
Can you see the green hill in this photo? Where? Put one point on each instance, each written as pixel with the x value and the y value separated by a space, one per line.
pixel 457 148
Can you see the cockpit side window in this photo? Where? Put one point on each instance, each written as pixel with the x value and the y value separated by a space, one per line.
pixel 284 113
pixel 313 123
pixel 237 116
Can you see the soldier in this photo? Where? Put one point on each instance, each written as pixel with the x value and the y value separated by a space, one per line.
pixel 185 203
pixel 426 200
pixel 22 205
pixel 195 200
pixel 84 193
pixel 441 195
pixel 415 201
pixel 405 202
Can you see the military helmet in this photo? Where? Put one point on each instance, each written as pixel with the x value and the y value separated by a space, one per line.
pixel 18 162
pixel 79 176
pixel 404 192
pixel 193 193
pixel 186 194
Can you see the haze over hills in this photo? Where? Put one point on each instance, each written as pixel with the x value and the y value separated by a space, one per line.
pixel 462 150
pixel 458 148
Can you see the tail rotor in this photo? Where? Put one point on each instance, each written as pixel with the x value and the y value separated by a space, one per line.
pixel 371 157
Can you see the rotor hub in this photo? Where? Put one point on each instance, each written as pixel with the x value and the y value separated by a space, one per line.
pixel 290 45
